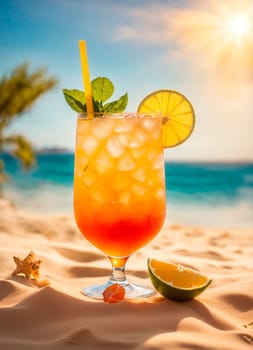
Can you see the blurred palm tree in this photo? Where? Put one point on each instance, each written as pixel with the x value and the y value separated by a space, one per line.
pixel 18 93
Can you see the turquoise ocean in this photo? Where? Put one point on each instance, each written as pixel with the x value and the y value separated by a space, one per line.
pixel 203 194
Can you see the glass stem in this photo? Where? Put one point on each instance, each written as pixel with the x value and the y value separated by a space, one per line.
pixel 118 271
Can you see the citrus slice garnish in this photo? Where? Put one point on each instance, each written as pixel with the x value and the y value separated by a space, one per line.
pixel 177 112
pixel 114 294
pixel 175 281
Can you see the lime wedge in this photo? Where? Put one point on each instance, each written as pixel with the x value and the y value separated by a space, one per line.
pixel 175 281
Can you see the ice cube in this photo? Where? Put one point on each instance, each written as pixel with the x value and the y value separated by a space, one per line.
pixel 124 125
pixel 124 138
pixel 102 127
pixel 81 160
pixel 139 175
pixel 149 124
pixel 114 147
pixel 153 126
pixel 102 194
pixel 138 189
pixel 126 163
pixel 158 162
pixel 103 162
pixel 133 143
pixel 160 194
pixel 137 152
pixel 152 153
pixel 83 127
pixel 89 177
pixel 97 196
pixel 89 144
pixel 139 138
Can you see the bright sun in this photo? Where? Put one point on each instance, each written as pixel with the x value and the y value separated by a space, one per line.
pixel 238 25
pixel 221 31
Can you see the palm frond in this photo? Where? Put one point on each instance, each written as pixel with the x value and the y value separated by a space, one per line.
pixel 21 89
pixel 21 148
pixel 18 92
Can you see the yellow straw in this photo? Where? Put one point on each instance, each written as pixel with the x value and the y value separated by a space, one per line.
pixel 86 77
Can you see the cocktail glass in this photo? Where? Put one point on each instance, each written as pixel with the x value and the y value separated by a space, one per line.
pixel 119 189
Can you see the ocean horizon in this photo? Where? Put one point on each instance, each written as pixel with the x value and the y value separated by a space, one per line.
pixel 213 194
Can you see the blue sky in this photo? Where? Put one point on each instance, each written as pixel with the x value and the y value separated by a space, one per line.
pixel 142 46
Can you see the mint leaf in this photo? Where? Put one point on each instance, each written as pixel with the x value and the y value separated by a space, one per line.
pixel 117 106
pixel 97 107
pixel 75 99
pixel 102 89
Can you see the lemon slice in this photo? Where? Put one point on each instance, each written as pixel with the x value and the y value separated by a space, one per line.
pixel 177 111
pixel 176 282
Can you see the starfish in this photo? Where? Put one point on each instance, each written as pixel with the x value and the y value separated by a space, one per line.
pixel 28 266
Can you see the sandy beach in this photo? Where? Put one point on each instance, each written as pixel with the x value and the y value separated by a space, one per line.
pixel 58 316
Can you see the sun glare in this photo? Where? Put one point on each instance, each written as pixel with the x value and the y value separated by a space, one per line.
pixel 238 25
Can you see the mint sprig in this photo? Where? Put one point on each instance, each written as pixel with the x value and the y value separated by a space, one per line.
pixel 102 91
pixel 75 99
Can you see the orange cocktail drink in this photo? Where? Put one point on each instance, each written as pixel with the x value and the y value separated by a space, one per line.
pixel 119 180
pixel 119 183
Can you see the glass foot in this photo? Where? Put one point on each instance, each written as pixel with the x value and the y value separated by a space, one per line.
pixel 132 291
